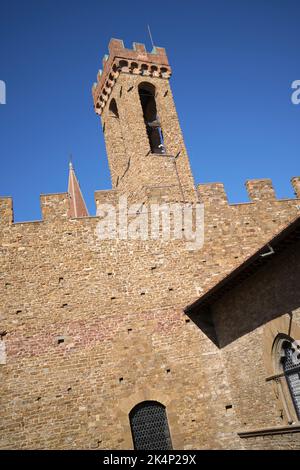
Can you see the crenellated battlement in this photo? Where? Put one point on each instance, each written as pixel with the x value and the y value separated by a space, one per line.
pixel 259 191
pixel 53 207
pixel 136 61
pixel 56 206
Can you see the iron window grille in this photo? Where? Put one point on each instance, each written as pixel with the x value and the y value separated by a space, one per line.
pixel 291 367
pixel 149 426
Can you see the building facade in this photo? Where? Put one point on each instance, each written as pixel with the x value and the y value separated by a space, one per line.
pixel 103 344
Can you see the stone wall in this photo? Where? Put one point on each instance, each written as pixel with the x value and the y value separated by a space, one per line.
pixel 247 320
pixel 287 439
pixel 93 327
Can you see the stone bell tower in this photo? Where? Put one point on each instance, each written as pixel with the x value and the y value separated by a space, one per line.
pixel 144 142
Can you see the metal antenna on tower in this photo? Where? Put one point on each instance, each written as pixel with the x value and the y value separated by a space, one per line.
pixel 149 30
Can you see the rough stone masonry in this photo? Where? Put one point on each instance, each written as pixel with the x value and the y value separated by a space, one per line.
pixel 89 328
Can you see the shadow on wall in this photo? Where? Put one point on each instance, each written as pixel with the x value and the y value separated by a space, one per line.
pixel 271 292
pixel 205 323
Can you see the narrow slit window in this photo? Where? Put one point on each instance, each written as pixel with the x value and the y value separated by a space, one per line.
pixel 113 109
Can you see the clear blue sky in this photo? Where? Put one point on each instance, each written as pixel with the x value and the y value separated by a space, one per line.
pixel 233 64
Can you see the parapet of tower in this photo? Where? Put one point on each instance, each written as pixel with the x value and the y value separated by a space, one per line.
pixel 136 61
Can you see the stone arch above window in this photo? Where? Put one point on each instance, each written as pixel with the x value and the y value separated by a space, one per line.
pixel 149 426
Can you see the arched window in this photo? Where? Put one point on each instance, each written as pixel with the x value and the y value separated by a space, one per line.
pixel 287 361
pixel 151 119
pixel 149 426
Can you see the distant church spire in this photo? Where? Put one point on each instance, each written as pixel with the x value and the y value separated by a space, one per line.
pixel 77 206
